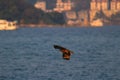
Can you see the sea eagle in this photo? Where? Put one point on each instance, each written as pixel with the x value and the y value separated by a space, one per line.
pixel 66 52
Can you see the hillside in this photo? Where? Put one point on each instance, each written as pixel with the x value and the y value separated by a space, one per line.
pixel 25 13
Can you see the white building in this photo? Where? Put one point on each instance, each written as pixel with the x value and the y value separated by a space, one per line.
pixel 7 25
pixel 63 6
pixel 40 5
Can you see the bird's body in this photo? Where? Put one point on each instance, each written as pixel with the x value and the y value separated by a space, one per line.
pixel 66 53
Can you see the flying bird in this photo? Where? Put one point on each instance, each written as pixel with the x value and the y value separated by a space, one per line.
pixel 66 53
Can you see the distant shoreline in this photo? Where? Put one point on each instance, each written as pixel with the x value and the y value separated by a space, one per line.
pixel 58 25
pixel 45 25
pixel 39 25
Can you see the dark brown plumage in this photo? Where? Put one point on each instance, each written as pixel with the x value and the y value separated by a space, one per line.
pixel 66 52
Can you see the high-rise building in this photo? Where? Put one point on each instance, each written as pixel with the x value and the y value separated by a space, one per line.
pixel 108 7
pixel 105 5
pixel 99 5
pixel 113 5
pixel 118 4
pixel 93 5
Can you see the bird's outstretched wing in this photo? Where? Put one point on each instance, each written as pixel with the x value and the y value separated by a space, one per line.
pixel 58 47
pixel 61 48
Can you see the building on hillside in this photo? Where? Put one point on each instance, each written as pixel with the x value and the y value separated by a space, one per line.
pixel 63 6
pixel 83 17
pixel 97 23
pixel 92 14
pixel 71 17
pixel 80 18
pixel 40 5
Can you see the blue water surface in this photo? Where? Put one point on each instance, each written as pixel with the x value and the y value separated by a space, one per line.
pixel 28 54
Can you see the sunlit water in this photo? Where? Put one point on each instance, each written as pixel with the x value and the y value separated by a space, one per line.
pixel 28 54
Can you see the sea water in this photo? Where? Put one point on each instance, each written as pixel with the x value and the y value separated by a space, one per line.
pixel 28 54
